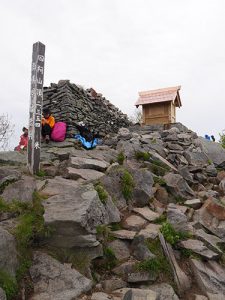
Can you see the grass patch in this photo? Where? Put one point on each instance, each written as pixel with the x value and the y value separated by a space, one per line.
pixel 179 199
pixel 161 219
pixel 120 158
pixel 139 155
pixel 127 185
pixel 41 173
pixel 171 235
pixel 8 284
pixel 159 180
pixel 102 194
pixel 110 258
pixel 156 265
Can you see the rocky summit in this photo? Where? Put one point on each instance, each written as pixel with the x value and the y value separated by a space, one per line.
pixel 141 216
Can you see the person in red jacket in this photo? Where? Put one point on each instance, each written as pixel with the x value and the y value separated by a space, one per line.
pixel 47 124
pixel 23 140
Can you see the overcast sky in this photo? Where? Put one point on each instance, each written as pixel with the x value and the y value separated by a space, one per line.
pixel 118 47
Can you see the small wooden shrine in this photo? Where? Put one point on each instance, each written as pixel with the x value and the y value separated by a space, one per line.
pixel 159 106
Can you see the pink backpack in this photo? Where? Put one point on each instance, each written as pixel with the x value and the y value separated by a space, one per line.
pixel 59 132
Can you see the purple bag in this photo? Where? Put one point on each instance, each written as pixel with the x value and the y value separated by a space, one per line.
pixel 59 132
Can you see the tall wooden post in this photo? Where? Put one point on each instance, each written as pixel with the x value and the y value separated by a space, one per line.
pixel 36 102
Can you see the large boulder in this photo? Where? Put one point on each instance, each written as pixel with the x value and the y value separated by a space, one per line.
pixel 214 151
pixel 209 275
pixel 178 186
pixel 21 190
pixel 53 280
pixel 8 252
pixel 12 158
pixel 74 216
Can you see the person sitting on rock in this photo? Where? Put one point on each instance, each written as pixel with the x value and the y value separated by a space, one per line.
pixel 23 140
pixel 48 122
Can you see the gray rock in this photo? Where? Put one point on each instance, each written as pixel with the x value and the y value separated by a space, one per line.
pixel 85 174
pixel 2 294
pixel 139 249
pixel 199 159
pixel 146 213
pixel 125 268
pixel 164 291
pixel 214 151
pixel 212 241
pixel 120 249
pixel 53 280
pixel 13 158
pixel 113 284
pixel 139 294
pixel 100 296
pixel 124 234
pixel 178 186
pixel 134 222
pixel 177 218
pixel 150 231
pixel 124 133
pixel 136 277
pixel 7 176
pixel 74 217
pixel 194 203
pixel 88 163
pixel 209 275
pixel 143 190
pixel 199 248
pixel 8 252
pixel 112 211
pixel 21 190
pixel 211 170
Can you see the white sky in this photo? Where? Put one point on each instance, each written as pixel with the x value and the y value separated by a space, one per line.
pixel 118 47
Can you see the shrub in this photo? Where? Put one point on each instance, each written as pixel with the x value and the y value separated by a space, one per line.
pixel 110 258
pixel 222 139
pixel 127 185
pixel 171 235
pixel 120 158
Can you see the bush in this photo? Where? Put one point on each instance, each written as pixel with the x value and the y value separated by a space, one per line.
pixel 171 235
pixel 120 158
pixel 127 185
pixel 102 194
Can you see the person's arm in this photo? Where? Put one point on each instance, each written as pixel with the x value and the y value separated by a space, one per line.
pixel 52 121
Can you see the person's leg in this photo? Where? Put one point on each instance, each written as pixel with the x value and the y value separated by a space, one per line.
pixel 46 131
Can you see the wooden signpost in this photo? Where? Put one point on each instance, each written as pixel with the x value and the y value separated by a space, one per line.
pixel 36 101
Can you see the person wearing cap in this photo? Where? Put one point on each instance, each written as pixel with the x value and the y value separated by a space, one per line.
pixel 47 124
pixel 23 140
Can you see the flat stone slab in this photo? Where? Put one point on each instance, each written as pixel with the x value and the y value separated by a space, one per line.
pixel 210 240
pixel 58 185
pixel 151 231
pixel 120 249
pixel 73 216
pixel 13 158
pixel 86 174
pixel 21 190
pixel 134 294
pixel 194 203
pixel 164 291
pixel 209 275
pixel 134 222
pixel 140 277
pixel 125 268
pixel 124 234
pixel 146 213
pixel 100 296
pixel 89 163
pixel 199 248
pixel 53 280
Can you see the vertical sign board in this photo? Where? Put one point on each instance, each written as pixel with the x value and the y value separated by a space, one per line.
pixel 36 101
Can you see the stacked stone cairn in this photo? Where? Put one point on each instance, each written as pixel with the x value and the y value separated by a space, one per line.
pixel 71 104
pixel 142 216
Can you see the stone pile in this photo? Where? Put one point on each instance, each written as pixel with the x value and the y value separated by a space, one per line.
pixel 71 103
pixel 112 208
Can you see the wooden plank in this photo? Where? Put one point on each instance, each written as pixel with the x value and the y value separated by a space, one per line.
pixel 36 102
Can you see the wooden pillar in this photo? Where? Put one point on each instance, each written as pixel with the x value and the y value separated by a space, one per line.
pixel 36 102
